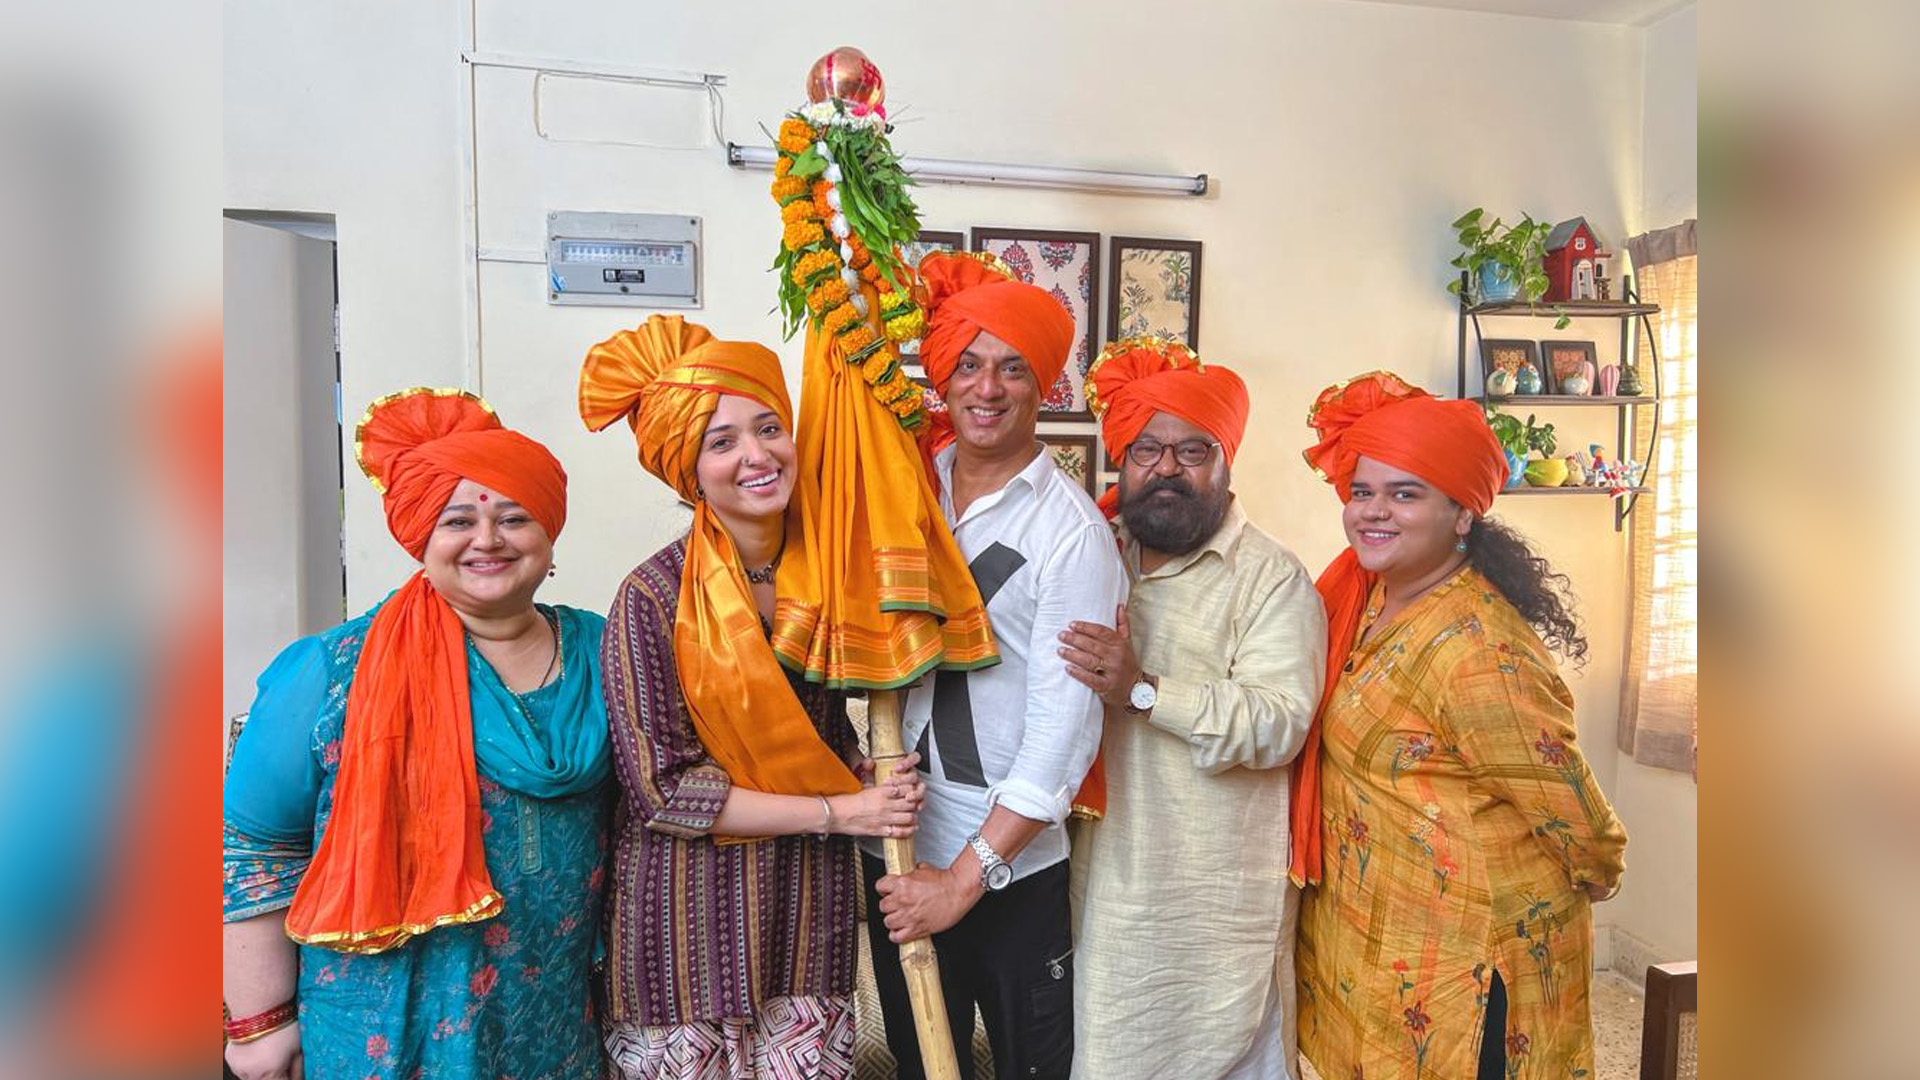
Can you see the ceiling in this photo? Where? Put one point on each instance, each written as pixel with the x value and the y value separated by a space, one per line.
pixel 1619 12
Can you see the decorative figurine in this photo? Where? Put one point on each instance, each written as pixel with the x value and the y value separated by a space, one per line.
pixel 1629 379
pixel 1580 382
pixel 1576 472
pixel 1527 379
pixel 1575 261
pixel 1500 383
pixel 1610 380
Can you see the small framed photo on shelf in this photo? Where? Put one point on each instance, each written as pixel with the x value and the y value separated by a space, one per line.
pixel 1076 456
pixel 1066 265
pixel 1153 287
pixel 1570 366
pixel 1510 366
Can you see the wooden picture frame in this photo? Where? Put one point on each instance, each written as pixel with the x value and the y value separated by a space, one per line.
pixel 1066 264
pixel 1153 287
pixel 1078 457
pixel 1509 353
pixel 1561 358
pixel 930 241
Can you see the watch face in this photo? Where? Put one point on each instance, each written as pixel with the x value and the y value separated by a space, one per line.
pixel 1143 696
pixel 999 877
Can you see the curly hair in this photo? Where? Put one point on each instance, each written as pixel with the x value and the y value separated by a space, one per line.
pixel 1543 598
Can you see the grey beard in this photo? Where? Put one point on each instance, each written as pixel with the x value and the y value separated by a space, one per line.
pixel 1173 526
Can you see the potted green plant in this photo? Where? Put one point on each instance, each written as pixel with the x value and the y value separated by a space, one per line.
pixel 1519 440
pixel 1503 262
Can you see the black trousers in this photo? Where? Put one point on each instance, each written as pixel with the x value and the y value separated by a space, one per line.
pixel 1493 1038
pixel 1013 956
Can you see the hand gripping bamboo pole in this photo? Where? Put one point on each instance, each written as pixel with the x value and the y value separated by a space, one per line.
pixel 917 960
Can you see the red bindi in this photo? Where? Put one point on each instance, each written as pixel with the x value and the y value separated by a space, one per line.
pixel 483 496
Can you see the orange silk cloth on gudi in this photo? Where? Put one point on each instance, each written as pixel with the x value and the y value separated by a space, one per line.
pixel 878 594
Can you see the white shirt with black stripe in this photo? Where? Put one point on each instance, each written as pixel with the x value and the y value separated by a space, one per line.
pixel 1022 732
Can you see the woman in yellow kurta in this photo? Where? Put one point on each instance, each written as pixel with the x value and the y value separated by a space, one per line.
pixel 1458 839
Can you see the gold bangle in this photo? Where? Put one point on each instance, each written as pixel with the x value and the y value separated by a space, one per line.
pixel 826 819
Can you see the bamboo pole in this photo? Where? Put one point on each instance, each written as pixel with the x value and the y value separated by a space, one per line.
pixel 917 959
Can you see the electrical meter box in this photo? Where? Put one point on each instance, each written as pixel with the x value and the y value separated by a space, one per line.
pixel 623 260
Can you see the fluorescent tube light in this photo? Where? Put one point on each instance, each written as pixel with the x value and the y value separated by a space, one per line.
pixel 940 171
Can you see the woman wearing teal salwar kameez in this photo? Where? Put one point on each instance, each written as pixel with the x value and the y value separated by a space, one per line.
pixel 416 817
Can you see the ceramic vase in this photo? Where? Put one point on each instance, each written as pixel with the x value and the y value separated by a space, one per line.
pixel 1609 380
pixel 1500 383
pixel 1516 469
pixel 1578 383
pixel 1527 379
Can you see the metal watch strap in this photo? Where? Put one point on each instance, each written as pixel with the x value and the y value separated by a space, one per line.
pixel 988 857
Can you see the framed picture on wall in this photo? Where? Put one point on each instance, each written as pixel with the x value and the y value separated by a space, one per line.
pixel 1075 455
pixel 1065 264
pixel 931 240
pixel 919 374
pixel 1153 287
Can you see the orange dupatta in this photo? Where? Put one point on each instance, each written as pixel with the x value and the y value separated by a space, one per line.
pixel 403 851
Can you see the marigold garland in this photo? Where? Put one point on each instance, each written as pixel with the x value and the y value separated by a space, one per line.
pixel 831 294
pixel 823 258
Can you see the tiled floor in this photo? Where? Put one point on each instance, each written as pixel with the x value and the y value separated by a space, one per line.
pixel 1617 1011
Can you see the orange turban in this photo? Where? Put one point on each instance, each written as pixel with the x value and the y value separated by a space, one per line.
pixel 1133 378
pixel 1447 443
pixel 665 378
pixel 402 852
pixel 969 292
pixel 1381 416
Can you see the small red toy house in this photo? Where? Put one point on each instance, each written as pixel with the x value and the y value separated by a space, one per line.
pixel 1574 262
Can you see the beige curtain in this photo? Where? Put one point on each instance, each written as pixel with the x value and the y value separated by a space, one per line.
pixel 1659 701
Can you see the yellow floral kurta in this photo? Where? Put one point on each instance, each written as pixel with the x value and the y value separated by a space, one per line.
pixel 1461 822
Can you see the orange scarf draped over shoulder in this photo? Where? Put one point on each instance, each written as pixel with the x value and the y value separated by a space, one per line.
pixel 402 852
pixel 1446 443
pixel 665 379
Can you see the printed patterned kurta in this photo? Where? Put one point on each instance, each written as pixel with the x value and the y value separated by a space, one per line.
pixel 507 996
pixel 1461 823
pixel 700 930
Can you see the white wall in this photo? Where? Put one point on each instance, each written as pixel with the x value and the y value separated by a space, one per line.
pixel 281 521
pixel 1342 137
pixel 1656 912
pixel 1670 165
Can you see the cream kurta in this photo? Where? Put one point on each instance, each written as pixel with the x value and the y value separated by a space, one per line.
pixel 1181 896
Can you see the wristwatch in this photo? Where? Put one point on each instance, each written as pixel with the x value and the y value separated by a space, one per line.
pixel 995 874
pixel 1142 697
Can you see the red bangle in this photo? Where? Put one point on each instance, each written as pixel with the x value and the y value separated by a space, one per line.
pixel 249 1028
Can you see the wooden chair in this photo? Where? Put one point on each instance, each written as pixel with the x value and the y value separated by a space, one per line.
pixel 1668 1050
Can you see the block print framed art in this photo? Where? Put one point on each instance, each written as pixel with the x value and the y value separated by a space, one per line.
pixel 1076 456
pixel 1067 265
pixel 1153 287
pixel 930 241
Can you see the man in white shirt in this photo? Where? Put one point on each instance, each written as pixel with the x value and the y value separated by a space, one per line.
pixel 1005 747
pixel 1210 682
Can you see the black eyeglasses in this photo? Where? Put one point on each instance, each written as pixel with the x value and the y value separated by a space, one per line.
pixel 1190 453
